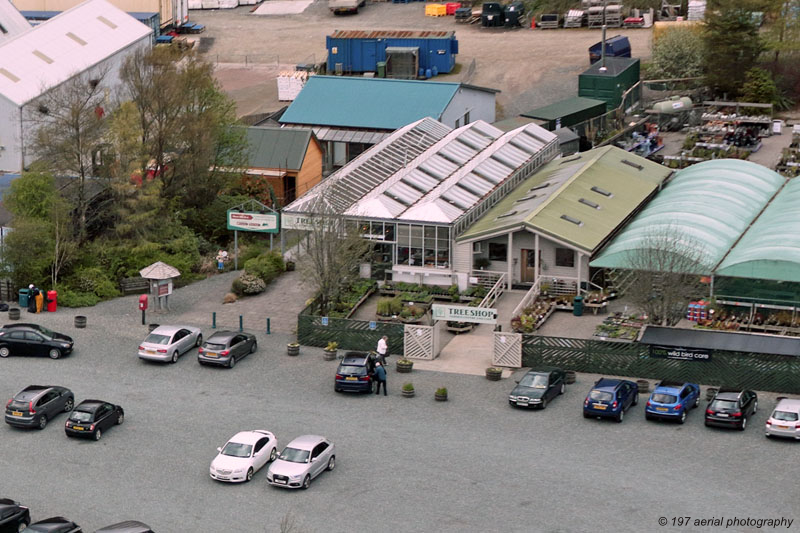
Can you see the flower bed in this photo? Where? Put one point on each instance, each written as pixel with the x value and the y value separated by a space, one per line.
pixel 533 316
pixel 619 327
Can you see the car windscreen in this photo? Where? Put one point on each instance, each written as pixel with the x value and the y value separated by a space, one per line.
pixel 353 370
pixel 601 396
pixel 46 331
pixel 719 405
pixel 154 338
pixel 212 347
pixel 536 381
pixel 664 398
pixel 785 416
pixel 293 455
pixel 236 449
pixel 81 416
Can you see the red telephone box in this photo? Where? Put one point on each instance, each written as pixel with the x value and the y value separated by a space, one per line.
pixel 143 302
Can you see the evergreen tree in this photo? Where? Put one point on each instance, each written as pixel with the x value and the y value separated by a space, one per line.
pixel 732 46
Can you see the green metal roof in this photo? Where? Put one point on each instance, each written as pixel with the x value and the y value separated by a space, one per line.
pixel 711 203
pixel 771 247
pixel 565 108
pixel 368 102
pixel 559 200
pixel 271 147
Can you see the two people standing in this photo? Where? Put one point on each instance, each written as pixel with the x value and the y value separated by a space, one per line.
pixel 35 299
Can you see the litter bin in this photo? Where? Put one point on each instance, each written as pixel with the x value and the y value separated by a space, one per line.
pixel 24 294
pixel 577 306
pixel 381 69
pixel 52 301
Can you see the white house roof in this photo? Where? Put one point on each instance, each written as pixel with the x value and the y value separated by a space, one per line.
pixel 56 50
pixel 12 23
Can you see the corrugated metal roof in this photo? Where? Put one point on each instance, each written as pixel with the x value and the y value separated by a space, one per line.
pixel 392 34
pixel 712 203
pixel 12 21
pixel 349 136
pixel 550 201
pixel 54 51
pixel 277 147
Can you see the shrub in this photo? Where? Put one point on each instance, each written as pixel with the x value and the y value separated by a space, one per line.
pixel 266 266
pixel 68 298
pixel 332 345
pixel 229 298
pixel 250 284
pixel 389 306
pixel 441 391
pixel 455 295
pixel 237 287
pixel 408 387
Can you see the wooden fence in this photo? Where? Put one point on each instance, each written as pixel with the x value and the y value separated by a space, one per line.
pixel 350 334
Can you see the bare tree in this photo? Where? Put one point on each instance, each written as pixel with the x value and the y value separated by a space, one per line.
pixel 668 264
pixel 64 244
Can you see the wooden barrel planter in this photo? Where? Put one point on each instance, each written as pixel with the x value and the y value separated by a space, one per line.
pixel 569 377
pixel 293 349
pixel 493 373
pixel 151 327
pixel 290 266
pixel 80 321
pixel 13 313
pixel 710 392
pixel 404 366
pixel 440 396
pixel 329 355
pixel 407 393
pixel 644 386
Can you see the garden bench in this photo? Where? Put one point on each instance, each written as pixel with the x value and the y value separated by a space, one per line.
pixel 134 285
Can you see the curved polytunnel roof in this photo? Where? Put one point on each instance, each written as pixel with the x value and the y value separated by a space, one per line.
pixel 710 204
pixel 771 247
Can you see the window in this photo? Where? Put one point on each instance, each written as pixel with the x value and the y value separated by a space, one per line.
pixel 47 398
pixel 498 251
pixel 31 336
pixel 458 123
pixel 466 118
pixel 18 335
pixel 422 246
pixel 260 444
pixel 565 257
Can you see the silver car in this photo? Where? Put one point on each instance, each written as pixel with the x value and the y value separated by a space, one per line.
pixel 167 343
pixel 302 460
pixel 785 419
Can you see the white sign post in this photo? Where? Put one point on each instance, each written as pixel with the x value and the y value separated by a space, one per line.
pixel 463 313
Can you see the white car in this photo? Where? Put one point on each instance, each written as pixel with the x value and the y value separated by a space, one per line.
pixel 785 419
pixel 302 460
pixel 244 455
pixel 167 343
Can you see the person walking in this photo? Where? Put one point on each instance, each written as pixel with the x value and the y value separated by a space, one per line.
pixel 383 346
pixel 380 377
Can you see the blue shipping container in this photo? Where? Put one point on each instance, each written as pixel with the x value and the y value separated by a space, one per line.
pixel 617 46
pixel 359 51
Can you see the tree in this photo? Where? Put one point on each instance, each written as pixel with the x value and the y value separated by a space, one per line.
pixel 783 34
pixel 759 87
pixel 732 46
pixel 667 265
pixel 678 53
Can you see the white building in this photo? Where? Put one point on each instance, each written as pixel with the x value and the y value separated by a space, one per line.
pixel 92 37
pixel 12 23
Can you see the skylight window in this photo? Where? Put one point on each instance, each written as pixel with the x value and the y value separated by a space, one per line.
pixel 76 38
pixel 43 57
pixel 506 215
pixel 604 192
pixel 8 75
pixel 528 197
pixel 572 219
pixel 632 164
pixel 107 22
pixel 590 203
pixel 540 186
pixel 570 159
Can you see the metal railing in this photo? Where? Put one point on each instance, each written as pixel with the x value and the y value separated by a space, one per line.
pixel 528 299
pixel 494 293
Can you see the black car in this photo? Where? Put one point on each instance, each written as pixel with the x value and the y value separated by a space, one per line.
pixel 129 526
pixel 731 408
pixel 32 339
pixel 13 516
pixel 91 417
pixel 538 387
pixel 35 405
pixel 355 373
pixel 57 524
pixel 226 347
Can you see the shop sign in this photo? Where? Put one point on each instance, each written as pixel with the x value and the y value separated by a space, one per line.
pixel 462 313
pixel 252 221
pixel 679 353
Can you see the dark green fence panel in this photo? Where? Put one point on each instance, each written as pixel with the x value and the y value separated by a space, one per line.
pixel 350 334
pixel 777 373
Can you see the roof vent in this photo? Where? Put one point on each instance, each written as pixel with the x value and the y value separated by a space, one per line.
pixel 590 203
pixel 43 57
pixel 574 158
pixel 604 192
pixel 572 219
pixel 528 197
pixel 505 215
pixel 8 75
pixel 632 164
pixel 107 22
pixel 540 186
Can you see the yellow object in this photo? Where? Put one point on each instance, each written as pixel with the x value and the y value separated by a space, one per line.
pixel 663 26
pixel 39 302
pixel 435 10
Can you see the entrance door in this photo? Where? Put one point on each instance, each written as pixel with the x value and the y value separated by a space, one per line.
pixel 528 262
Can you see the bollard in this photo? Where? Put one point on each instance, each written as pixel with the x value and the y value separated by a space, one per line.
pixel 241 328
pixel 267 326
pixel 214 320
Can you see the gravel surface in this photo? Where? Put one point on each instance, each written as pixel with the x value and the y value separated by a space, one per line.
pixel 470 464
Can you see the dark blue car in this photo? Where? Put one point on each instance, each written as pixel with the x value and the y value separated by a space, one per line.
pixel 671 400
pixel 355 373
pixel 610 398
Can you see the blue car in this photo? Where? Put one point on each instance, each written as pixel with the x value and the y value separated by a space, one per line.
pixel 671 400
pixel 610 398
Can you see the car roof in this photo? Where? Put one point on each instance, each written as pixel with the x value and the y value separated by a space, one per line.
pixel 51 524
pixel 668 384
pixel 727 395
pixel 129 526
pixel 249 437
pixel 168 330
pixel 23 325
pixel 789 404
pixel 222 335
pixel 89 405
pixel 305 442
pixel 607 383
pixel 543 370
pixel 351 357
pixel 32 391
pixel 6 503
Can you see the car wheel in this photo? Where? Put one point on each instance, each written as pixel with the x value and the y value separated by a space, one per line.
pixel 232 361
pixel 648 417
pixel 21 526
pixel 696 402
pixel 98 434
pixel 4 351
pixel 42 422
pixel 249 475
pixel 273 454
pixel 254 347
pixel 332 462
pixel 199 341
pixel 744 424
pixel 587 415
pixel 543 405
pixel 682 419
pixel 120 419
pixel 69 405
pixel 337 389
pixel 768 435
pixel 307 482
pixel 54 353
pixel 635 399
pixel 621 415
pixel 174 357
pixel 755 408
pixel 563 388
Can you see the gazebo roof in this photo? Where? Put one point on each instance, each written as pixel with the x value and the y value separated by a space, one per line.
pixel 159 270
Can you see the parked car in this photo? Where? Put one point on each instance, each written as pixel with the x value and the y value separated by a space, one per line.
pixel 57 524
pixel 32 339
pixel 538 387
pixel 92 417
pixel 302 460
pixel 226 347
pixel 610 398
pixel 129 526
pixel 355 373
pixel 35 405
pixel 13 516
pixel 167 343
pixel 731 408
pixel 671 400
pixel 244 455
pixel 785 419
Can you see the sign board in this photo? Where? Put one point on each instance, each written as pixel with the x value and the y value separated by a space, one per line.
pixel 463 313
pixel 681 354
pixel 373 325
pixel 302 222
pixel 324 321
pixel 253 221
pixel 164 287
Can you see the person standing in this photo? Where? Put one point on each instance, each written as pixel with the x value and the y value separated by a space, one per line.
pixel 39 300
pixel 380 378
pixel 32 292
pixel 383 347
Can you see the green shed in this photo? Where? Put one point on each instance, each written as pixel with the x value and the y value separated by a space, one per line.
pixel 567 113
pixel 620 74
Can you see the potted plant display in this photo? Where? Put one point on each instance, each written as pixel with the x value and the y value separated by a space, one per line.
pixel 408 390
pixel 293 348
pixel 494 373
pixel 330 351
pixel 404 365
pixel 441 394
